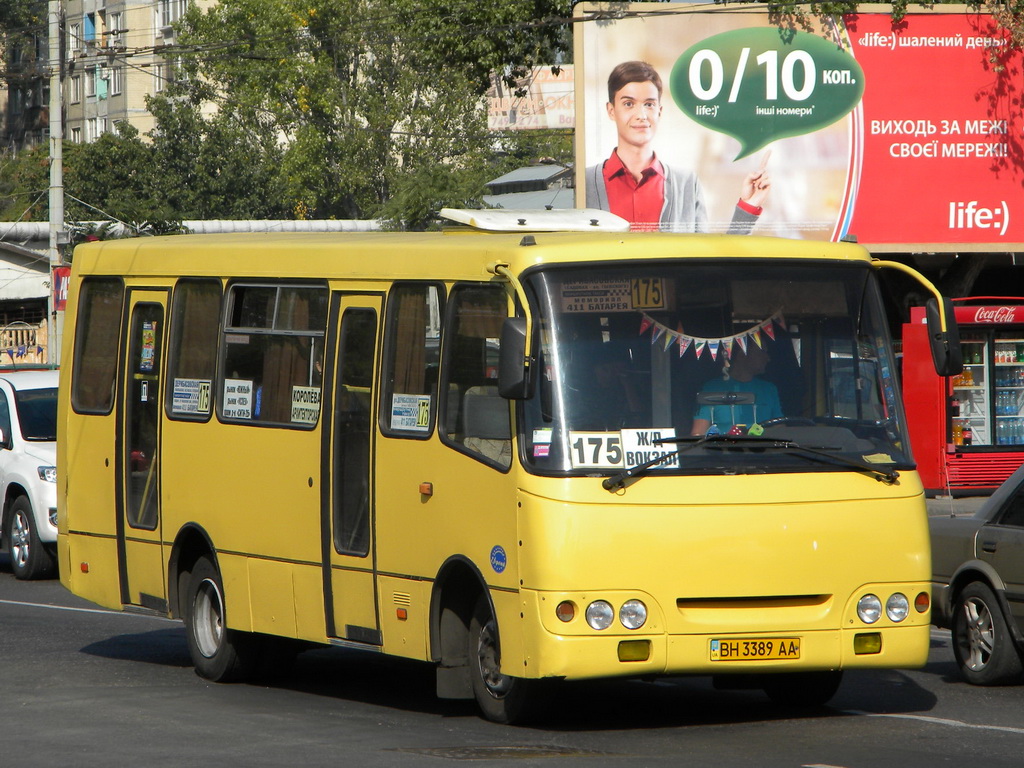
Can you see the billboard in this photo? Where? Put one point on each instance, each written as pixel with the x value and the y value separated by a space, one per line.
pixel 544 100
pixel 906 135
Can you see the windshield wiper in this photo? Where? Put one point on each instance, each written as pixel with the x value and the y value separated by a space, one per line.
pixel 618 480
pixel 887 476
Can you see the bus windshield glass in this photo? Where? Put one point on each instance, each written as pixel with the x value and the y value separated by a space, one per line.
pixel 793 359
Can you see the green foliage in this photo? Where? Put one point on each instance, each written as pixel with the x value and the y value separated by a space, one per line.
pixel 17 16
pixel 374 109
pixel 24 180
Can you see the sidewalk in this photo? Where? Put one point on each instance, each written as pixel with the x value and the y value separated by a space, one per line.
pixel 957 507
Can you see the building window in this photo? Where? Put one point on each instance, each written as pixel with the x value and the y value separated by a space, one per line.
pixel 76 135
pixel 74 38
pixel 76 89
pixel 169 11
pixel 90 82
pixel 116 79
pixel 114 30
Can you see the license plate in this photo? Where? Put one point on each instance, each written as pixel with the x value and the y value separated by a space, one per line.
pixel 755 649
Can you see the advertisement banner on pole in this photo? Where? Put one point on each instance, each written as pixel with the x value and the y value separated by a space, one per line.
pixel 61 279
pixel 701 118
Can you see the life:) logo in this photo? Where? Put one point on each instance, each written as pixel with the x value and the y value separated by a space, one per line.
pixel 972 216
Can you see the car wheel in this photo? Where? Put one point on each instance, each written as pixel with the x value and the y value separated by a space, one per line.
pixel 802 689
pixel 982 644
pixel 502 698
pixel 218 653
pixel 30 559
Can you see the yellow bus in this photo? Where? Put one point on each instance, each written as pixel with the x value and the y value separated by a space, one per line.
pixel 524 448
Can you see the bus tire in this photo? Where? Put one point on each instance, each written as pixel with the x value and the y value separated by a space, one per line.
pixel 803 689
pixel 502 698
pixel 219 654
pixel 982 644
pixel 30 559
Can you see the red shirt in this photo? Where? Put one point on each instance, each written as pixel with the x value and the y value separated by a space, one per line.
pixel 640 203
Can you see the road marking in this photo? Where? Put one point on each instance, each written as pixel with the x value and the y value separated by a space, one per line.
pixel 104 611
pixel 938 721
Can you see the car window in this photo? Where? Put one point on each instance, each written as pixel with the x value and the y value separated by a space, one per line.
pixel 5 416
pixel 1013 512
pixel 37 413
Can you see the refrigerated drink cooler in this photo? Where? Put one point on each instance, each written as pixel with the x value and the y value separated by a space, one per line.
pixel 967 432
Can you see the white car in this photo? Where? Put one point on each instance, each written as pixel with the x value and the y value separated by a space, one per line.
pixel 28 474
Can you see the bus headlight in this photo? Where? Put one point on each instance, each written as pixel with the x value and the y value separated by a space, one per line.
pixel 633 614
pixel 897 607
pixel 600 615
pixel 869 609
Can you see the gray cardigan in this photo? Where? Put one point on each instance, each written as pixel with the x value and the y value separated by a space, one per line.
pixel 684 209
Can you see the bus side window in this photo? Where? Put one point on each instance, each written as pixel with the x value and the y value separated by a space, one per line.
pixel 192 358
pixel 481 423
pixel 409 392
pixel 273 354
pixel 97 332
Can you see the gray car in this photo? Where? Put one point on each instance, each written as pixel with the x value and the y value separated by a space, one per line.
pixel 978 585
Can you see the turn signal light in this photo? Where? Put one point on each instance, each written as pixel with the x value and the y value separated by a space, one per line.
pixel 922 601
pixel 566 611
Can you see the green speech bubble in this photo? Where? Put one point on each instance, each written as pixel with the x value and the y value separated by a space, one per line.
pixel 756 87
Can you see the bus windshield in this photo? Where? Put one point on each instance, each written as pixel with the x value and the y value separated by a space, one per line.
pixel 792 359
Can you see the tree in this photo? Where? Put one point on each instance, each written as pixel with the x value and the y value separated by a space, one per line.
pixel 375 108
pixel 21 15
pixel 214 167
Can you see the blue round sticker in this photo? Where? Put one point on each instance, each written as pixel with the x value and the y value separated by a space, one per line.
pixel 498 559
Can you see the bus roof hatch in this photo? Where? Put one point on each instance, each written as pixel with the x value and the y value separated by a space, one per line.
pixel 538 220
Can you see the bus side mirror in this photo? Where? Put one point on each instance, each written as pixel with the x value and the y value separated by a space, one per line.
pixel 946 353
pixel 515 374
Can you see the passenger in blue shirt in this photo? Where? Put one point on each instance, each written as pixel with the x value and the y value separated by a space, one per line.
pixel 741 375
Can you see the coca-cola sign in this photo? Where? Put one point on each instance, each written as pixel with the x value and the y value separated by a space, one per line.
pixel 995 314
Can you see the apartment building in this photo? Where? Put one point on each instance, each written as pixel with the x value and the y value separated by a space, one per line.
pixel 114 54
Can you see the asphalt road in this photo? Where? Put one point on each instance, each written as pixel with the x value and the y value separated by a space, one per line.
pixel 82 686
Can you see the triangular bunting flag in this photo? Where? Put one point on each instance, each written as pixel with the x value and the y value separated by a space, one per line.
pixel 645 323
pixel 684 344
pixel 713 346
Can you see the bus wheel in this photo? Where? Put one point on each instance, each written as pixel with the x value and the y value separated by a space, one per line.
pixel 29 558
pixel 502 698
pixel 982 644
pixel 802 689
pixel 218 653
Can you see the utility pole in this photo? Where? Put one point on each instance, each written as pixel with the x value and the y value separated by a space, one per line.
pixel 55 14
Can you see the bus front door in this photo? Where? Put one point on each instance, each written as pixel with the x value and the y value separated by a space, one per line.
pixel 139 405
pixel 348 537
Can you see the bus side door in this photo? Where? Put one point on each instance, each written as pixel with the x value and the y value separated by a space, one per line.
pixel 140 550
pixel 347 495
